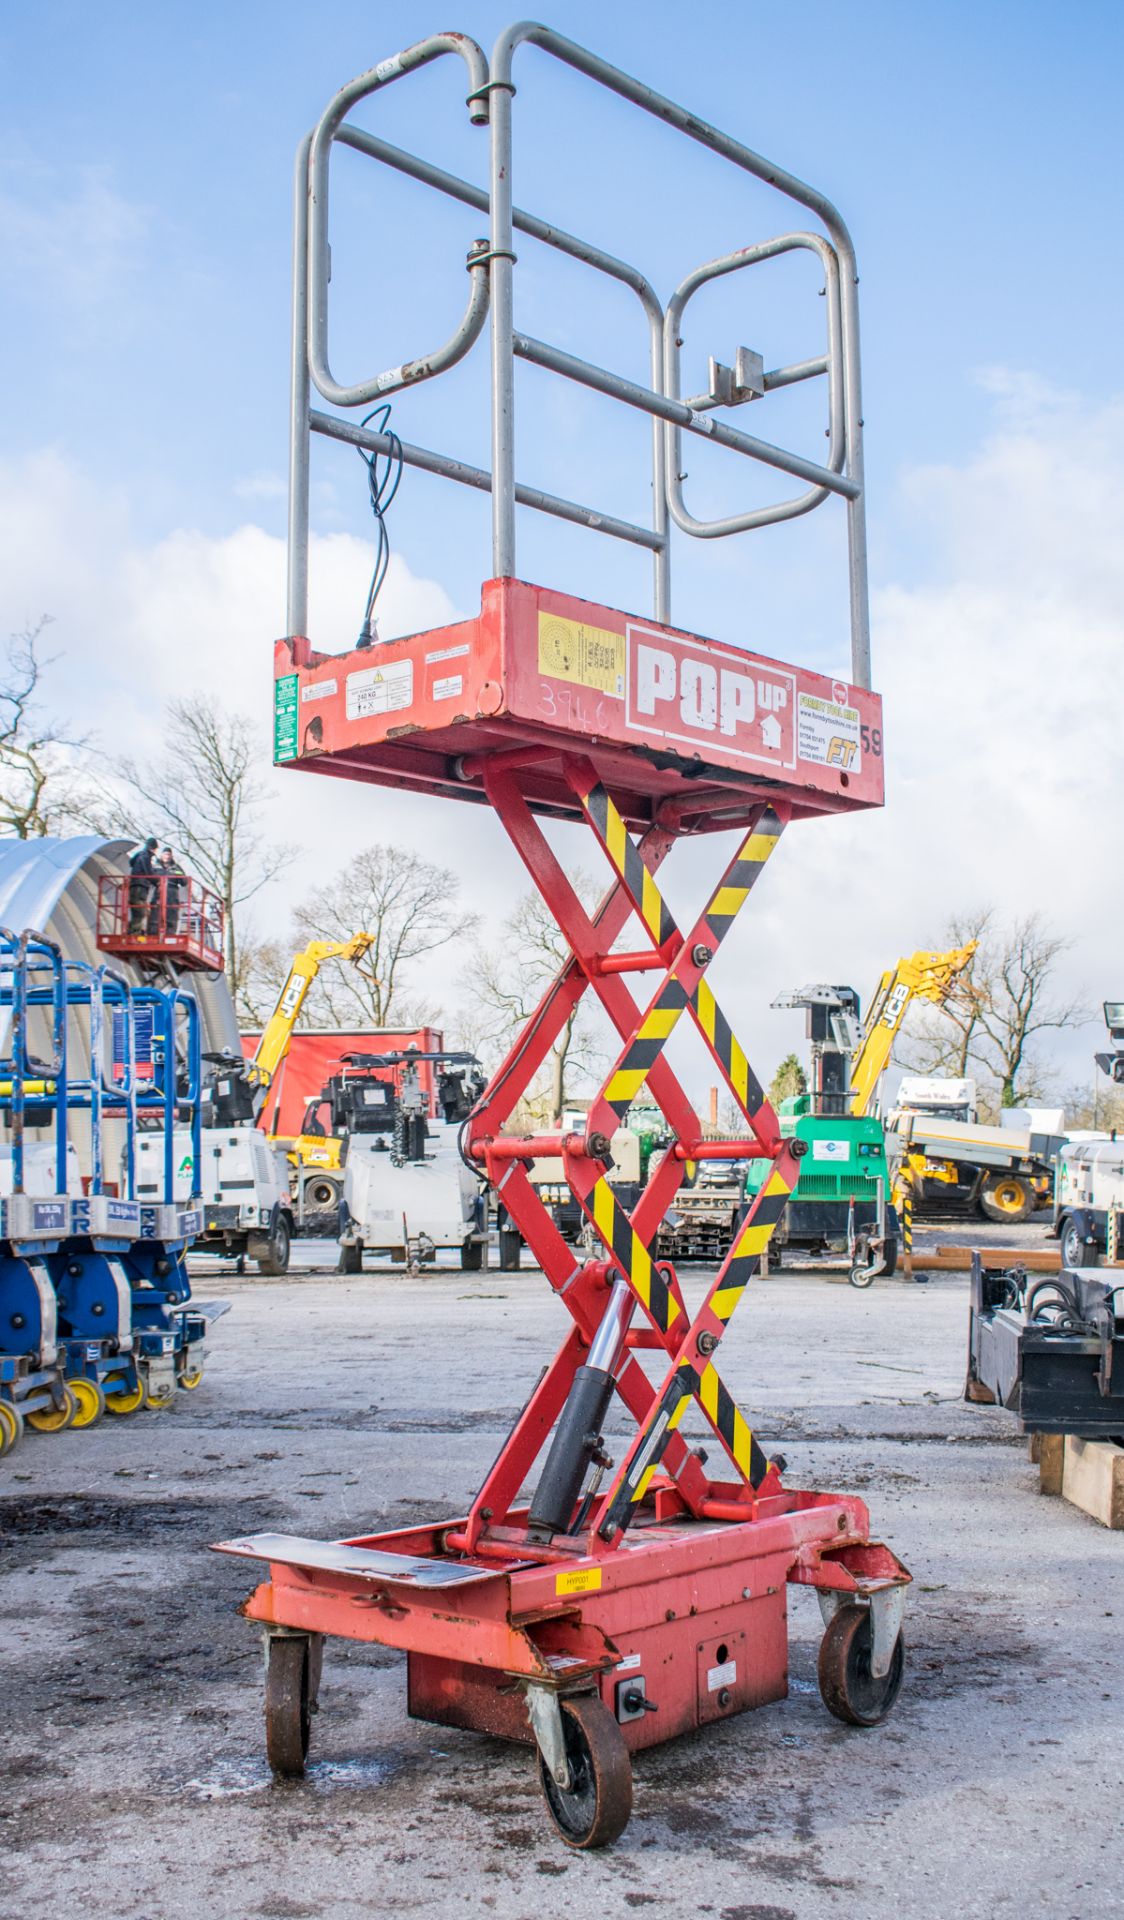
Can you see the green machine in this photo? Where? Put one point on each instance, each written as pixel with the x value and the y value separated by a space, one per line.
pixel 841 1202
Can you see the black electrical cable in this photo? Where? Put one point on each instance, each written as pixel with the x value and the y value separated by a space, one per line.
pixel 382 485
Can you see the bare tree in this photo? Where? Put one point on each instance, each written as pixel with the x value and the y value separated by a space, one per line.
pixel 508 981
pixel 206 795
pixel 40 792
pixel 411 908
pixel 998 1010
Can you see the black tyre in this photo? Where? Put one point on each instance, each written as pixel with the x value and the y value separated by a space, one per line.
pixel 351 1257
pixel 594 1809
pixel 321 1192
pixel 292 1683
pixel 850 1690
pixel 1008 1198
pixel 511 1242
pixel 276 1260
pixel 472 1256
pixel 1076 1250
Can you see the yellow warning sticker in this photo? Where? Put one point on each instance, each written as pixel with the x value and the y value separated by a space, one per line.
pixel 579 1580
pixel 586 656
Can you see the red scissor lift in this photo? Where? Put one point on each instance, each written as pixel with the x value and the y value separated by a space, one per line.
pixel 638 1597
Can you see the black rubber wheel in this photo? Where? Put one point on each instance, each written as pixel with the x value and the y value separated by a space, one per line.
pixel 321 1193
pixel 276 1261
pixel 1008 1198
pixel 850 1690
pixel 351 1257
pixel 890 1255
pixel 1076 1250
pixel 472 1256
pixel 510 1245
pixel 292 1682
pixel 594 1809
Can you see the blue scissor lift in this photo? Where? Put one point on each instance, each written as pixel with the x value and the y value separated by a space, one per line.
pixel 94 1290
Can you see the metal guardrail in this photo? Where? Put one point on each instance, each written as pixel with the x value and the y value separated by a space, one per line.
pixel 491 265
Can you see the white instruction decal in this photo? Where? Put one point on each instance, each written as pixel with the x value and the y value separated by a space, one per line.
pixel 445 653
pixel 448 689
pixel 723 1676
pixel 380 689
pixel 320 690
pixel 831 1150
pixel 828 733
pixel 630 1660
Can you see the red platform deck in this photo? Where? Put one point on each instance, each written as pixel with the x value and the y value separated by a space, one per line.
pixel 667 716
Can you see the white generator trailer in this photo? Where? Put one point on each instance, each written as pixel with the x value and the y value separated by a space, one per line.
pixel 407 1194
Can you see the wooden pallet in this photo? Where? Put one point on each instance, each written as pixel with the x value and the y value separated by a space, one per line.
pixel 1088 1473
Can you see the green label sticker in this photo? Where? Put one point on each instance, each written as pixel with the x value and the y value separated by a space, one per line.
pixel 285 717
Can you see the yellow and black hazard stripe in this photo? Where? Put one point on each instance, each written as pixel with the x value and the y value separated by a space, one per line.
pixel 729 1423
pixel 707 1388
pixel 743 874
pixel 728 1051
pixel 632 1256
pixel 628 861
pixel 645 1047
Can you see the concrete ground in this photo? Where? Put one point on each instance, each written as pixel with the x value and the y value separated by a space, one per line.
pixel 133 1777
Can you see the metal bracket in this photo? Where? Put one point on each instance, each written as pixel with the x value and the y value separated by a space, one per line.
pixel 545 1716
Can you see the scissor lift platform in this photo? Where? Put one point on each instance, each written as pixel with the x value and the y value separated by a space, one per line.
pixel 667 716
pixel 640 1596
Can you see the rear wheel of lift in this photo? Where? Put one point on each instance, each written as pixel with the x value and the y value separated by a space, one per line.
pixel 276 1261
pixel 1077 1251
pixel 850 1690
pixel 594 1808
pixel 1007 1197
pixel 54 1418
pixel 90 1398
pixel 125 1399
pixel 292 1683
pixel 11 1426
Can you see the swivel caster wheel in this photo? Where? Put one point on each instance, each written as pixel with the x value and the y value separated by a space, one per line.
pixel 11 1426
pixel 850 1690
pixel 91 1401
pixel 54 1418
pixel 594 1808
pixel 292 1685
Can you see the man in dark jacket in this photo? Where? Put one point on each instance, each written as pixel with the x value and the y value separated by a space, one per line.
pixel 143 887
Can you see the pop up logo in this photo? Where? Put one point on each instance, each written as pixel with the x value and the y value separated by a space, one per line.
pixel 704 696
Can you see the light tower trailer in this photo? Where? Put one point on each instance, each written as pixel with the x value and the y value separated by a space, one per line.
pixel 408 1193
pixel 643 1596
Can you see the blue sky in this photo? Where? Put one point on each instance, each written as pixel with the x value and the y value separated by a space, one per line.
pixel 145 170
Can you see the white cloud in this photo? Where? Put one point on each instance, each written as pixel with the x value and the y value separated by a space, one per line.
pixel 999 670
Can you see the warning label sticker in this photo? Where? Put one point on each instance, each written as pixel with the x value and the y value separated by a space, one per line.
pixel 828 733
pixel 285 717
pixel 383 689
pixel 319 690
pixel 449 688
pixel 586 656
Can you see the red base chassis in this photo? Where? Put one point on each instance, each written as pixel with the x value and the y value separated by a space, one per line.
pixel 657 1604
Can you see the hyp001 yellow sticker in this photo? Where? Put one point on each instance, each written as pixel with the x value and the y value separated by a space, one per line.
pixel 579 1580
pixel 586 656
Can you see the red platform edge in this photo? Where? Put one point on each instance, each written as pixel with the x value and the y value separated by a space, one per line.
pixel 664 714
